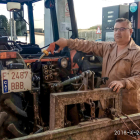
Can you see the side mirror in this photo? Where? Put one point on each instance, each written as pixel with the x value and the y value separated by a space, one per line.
pixel 49 4
pixel 19 14
pixel 12 6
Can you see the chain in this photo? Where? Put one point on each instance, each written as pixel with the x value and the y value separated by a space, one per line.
pixel 118 116
pixel 130 120
pixel 124 123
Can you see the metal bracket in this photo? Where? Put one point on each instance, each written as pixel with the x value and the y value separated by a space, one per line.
pixel 58 101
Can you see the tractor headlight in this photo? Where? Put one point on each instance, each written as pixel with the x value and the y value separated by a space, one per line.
pixel 64 62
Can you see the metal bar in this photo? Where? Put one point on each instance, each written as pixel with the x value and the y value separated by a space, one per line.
pixel 54 22
pixel 11 26
pixel 87 130
pixel 73 19
pixel 31 22
pixel 84 75
pixel 58 101
pixel 36 111
pixel 69 81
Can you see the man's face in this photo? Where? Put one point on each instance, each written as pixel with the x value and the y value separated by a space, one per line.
pixel 123 34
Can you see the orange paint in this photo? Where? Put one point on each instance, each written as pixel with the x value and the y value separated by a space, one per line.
pixel 8 55
pixel 42 60
pixel 73 65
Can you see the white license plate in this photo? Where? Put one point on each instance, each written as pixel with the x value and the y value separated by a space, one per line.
pixel 16 80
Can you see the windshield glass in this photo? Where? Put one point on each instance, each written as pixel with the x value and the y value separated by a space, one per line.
pixel 13 29
pixel 18 29
pixel 21 26
pixel 63 18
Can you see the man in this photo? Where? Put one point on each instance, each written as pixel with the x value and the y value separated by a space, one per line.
pixel 121 62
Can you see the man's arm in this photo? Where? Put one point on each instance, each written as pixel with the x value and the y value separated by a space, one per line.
pixel 98 48
pixel 88 46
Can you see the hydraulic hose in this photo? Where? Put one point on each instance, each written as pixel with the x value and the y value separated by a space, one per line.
pixel 17 110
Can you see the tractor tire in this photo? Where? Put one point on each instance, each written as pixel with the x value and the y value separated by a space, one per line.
pixel 11 123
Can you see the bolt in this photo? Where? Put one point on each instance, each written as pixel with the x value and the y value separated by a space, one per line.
pixel 50 67
pixel 46 67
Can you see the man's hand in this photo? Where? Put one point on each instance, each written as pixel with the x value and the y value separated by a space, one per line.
pixel 116 85
pixel 51 48
pixel 62 43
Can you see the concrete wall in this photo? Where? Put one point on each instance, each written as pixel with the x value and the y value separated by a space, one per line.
pixel 89 34
pixel 39 30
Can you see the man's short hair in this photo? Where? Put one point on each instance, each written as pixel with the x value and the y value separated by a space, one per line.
pixel 126 20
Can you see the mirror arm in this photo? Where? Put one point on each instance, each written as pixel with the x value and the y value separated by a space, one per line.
pixel 22 18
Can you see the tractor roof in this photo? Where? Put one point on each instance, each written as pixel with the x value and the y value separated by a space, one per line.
pixel 20 1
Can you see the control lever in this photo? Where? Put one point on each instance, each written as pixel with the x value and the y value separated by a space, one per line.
pixel 52 47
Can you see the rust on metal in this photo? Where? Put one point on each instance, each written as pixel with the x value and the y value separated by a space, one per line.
pixel 100 129
pixel 123 122
pixel 92 112
pixel 36 111
pixel 130 120
pixel 58 101
pixel 125 137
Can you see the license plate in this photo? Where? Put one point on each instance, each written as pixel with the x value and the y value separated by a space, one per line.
pixel 16 80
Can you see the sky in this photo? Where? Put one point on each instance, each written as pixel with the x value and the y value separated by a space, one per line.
pixel 88 12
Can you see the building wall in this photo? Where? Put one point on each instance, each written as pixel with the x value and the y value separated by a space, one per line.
pixel 40 30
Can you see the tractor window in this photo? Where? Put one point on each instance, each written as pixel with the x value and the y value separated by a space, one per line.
pixel 11 25
pixel 4 21
pixel 89 17
pixel 16 25
pixel 38 12
pixel 21 25
pixel 63 18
